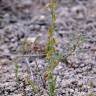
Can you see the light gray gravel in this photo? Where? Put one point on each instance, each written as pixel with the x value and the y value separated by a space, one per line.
pixel 74 17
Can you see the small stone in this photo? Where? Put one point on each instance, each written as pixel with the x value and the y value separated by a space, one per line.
pixel 64 83
pixel 42 17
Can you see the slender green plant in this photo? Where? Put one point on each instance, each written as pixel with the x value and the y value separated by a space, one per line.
pixel 16 68
pixel 50 52
pixel 52 56
pixel 16 71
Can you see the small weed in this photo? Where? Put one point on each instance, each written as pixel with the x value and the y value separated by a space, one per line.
pixel 16 68
pixel 52 56
pixel 50 53
pixel 34 87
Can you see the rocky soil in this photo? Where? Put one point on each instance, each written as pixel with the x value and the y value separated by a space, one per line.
pixel 28 18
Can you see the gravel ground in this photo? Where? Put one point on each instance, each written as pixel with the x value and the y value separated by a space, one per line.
pixel 28 19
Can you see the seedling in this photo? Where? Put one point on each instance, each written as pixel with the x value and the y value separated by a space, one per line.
pixel 50 53
pixel 52 56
